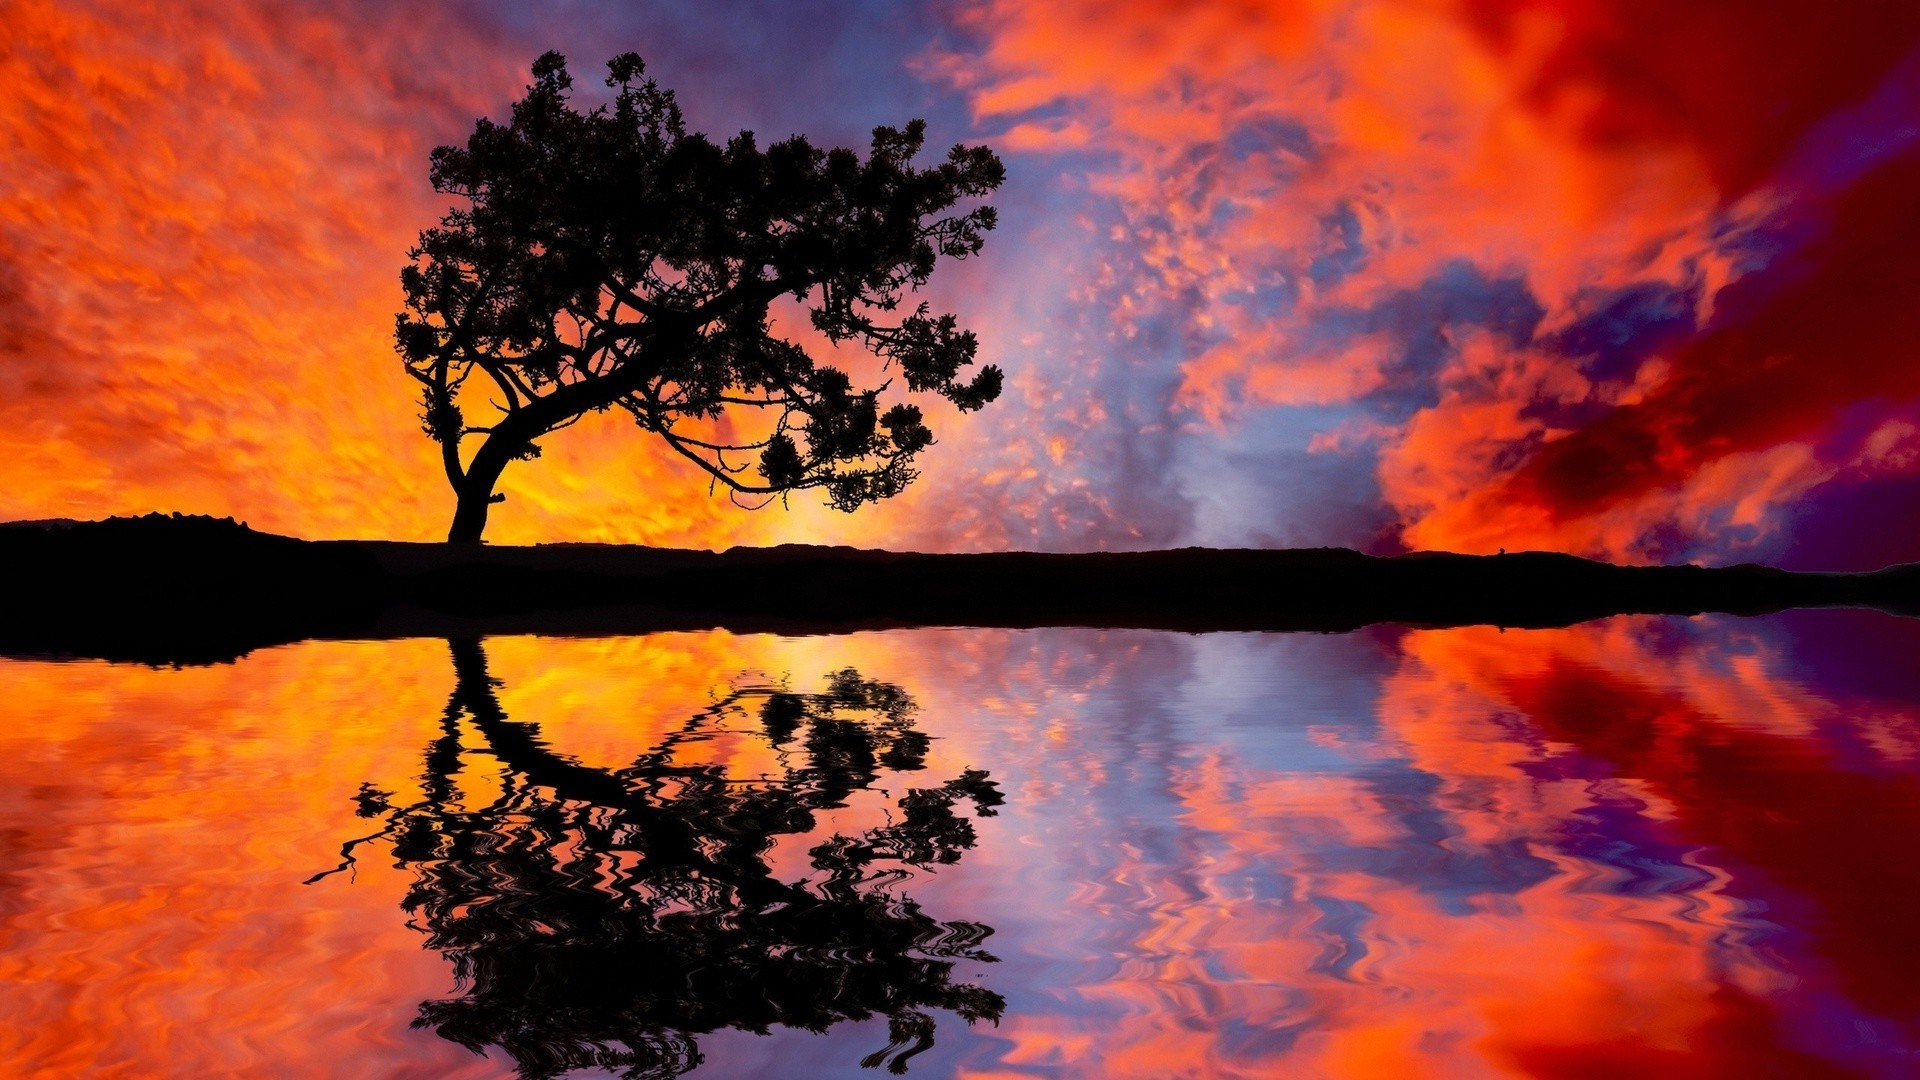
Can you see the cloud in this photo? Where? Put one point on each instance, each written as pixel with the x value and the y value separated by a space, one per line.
pixel 1825 327
pixel 1596 275
pixel 1738 83
pixel 202 213
pixel 201 228
pixel 1589 275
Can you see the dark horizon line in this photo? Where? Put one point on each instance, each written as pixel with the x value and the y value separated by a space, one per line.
pixel 58 524
pixel 190 589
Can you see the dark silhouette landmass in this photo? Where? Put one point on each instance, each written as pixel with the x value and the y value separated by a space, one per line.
pixel 178 589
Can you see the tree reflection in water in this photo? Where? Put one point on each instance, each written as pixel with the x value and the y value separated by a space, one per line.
pixel 603 918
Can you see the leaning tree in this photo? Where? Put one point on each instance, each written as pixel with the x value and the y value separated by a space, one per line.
pixel 611 259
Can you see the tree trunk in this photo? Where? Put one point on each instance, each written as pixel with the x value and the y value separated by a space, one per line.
pixel 474 494
pixel 512 435
pixel 469 516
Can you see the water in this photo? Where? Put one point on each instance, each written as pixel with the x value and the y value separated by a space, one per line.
pixel 1640 847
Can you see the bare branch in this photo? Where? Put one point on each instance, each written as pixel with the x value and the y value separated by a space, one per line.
pixel 718 474
pixel 691 441
pixel 506 384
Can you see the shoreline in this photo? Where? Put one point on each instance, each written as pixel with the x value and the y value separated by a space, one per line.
pixel 182 590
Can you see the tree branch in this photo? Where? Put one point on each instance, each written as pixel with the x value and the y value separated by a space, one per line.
pixel 722 476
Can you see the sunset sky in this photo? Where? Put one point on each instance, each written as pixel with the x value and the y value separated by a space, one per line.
pixel 1623 278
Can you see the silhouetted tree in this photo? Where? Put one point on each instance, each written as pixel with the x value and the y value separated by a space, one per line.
pixel 610 259
pixel 603 918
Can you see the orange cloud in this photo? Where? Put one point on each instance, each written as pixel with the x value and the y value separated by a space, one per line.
pixel 201 225
pixel 202 222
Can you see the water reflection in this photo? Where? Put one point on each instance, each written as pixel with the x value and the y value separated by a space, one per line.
pixel 602 918
pixel 1806 815
pixel 1642 847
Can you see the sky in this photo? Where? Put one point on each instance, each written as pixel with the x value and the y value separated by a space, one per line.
pixel 1614 277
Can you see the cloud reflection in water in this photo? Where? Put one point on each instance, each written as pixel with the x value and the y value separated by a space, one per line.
pixel 1662 847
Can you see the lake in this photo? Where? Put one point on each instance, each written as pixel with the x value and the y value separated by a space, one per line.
pixel 1635 847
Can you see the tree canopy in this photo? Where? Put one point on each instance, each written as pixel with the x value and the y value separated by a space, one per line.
pixel 611 259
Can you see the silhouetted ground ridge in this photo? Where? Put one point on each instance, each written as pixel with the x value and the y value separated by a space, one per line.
pixel 184 589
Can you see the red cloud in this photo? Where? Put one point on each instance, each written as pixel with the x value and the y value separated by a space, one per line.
pixel 1738 80
pixel 1847 330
